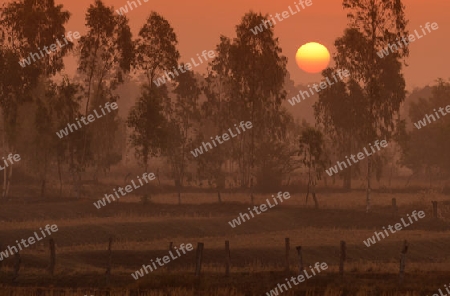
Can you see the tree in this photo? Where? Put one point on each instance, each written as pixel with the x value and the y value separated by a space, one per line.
pixel 106 53
pixel 156 50
pixel 103 132
pixel 64 106
pixel 182 118
pixel 312 150
pixel 214 120
pixel 149 126
pixel 431 137
pixel 337 110
pixel 155 53
pixel 31 25
pixel 373 25
pixel 27 25
pixel 256 71
pixel 15 89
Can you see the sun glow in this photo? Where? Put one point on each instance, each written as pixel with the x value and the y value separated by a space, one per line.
pixel 312 57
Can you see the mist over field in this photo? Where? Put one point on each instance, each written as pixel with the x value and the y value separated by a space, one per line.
pixel 271 158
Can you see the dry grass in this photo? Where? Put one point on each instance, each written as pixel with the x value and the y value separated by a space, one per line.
pixel 257 246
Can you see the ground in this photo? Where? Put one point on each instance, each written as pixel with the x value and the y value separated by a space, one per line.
pixel 257 247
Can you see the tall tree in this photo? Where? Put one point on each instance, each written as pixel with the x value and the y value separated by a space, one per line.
pixel 103 133
pixel 433 136
pixel 256 71
pixel 373 25
pixel 149 126
pixel 313 157
pixel 106 53
pixel 27 26
pixel 155 53
pixel 182 119
pixel 337 110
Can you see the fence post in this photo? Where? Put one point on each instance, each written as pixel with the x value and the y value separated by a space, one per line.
pixel 108 269
pixel 52 256
pixel 227 258
pixel 169 266
pixel 198 260
pixel 300 258
pixel 394 207
pixel 403 261
pixel 342 257
pixel 251 192
pixel 435 215
pixel 17 263
pixel 287 245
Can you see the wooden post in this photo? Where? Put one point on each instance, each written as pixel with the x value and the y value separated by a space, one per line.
pixel 403 261
pixel 300 258
pixel 108 269
pixel 394 207
pixel 227 258
pixel 435 215
pixel 51 267
pixel 342 257
pixel 17 263
pixel 251 191
pixel 198 260
pixel 170 266
pixel 287 244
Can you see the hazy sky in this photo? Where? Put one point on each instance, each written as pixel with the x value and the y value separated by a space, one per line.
pixel 199 24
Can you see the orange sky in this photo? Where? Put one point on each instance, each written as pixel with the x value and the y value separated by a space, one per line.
pixel 199 23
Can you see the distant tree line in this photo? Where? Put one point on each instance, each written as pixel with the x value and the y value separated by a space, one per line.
pixel 244 82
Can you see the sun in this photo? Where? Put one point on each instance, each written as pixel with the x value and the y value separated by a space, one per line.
pixel 312 57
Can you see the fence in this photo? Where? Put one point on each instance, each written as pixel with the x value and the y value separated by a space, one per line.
pixel 227 262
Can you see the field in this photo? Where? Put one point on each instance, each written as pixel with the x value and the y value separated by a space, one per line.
pixel 141 233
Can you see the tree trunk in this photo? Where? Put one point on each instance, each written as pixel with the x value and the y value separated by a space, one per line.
pixel 8 181
pixel 316 202
pixel 307 191
pixel 348 172
pixel 4 183
pixel 44 177
pixel 369 174
pixel 43 188
pixel 4 170
pixel 60 177
pixel 348 179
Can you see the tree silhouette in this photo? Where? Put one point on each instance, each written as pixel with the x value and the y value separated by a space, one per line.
pixel 313 157
pixel 376 85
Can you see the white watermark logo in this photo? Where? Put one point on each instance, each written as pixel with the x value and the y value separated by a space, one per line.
pixel 285 14
pixel 11 250
pixel 166 259
pixel 90 118
pixel 371 240
pixel 102 202
pixel 323 85
pixel 225 137
pixel 124 9
pixel 297 280
pixel 184 67
pixel 263 208
pixel 360 155
pixel 53 48
pixel 403 42
pixel 423 123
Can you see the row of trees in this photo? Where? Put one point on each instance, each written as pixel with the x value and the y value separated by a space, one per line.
pixel 166 121
pixel 244 82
